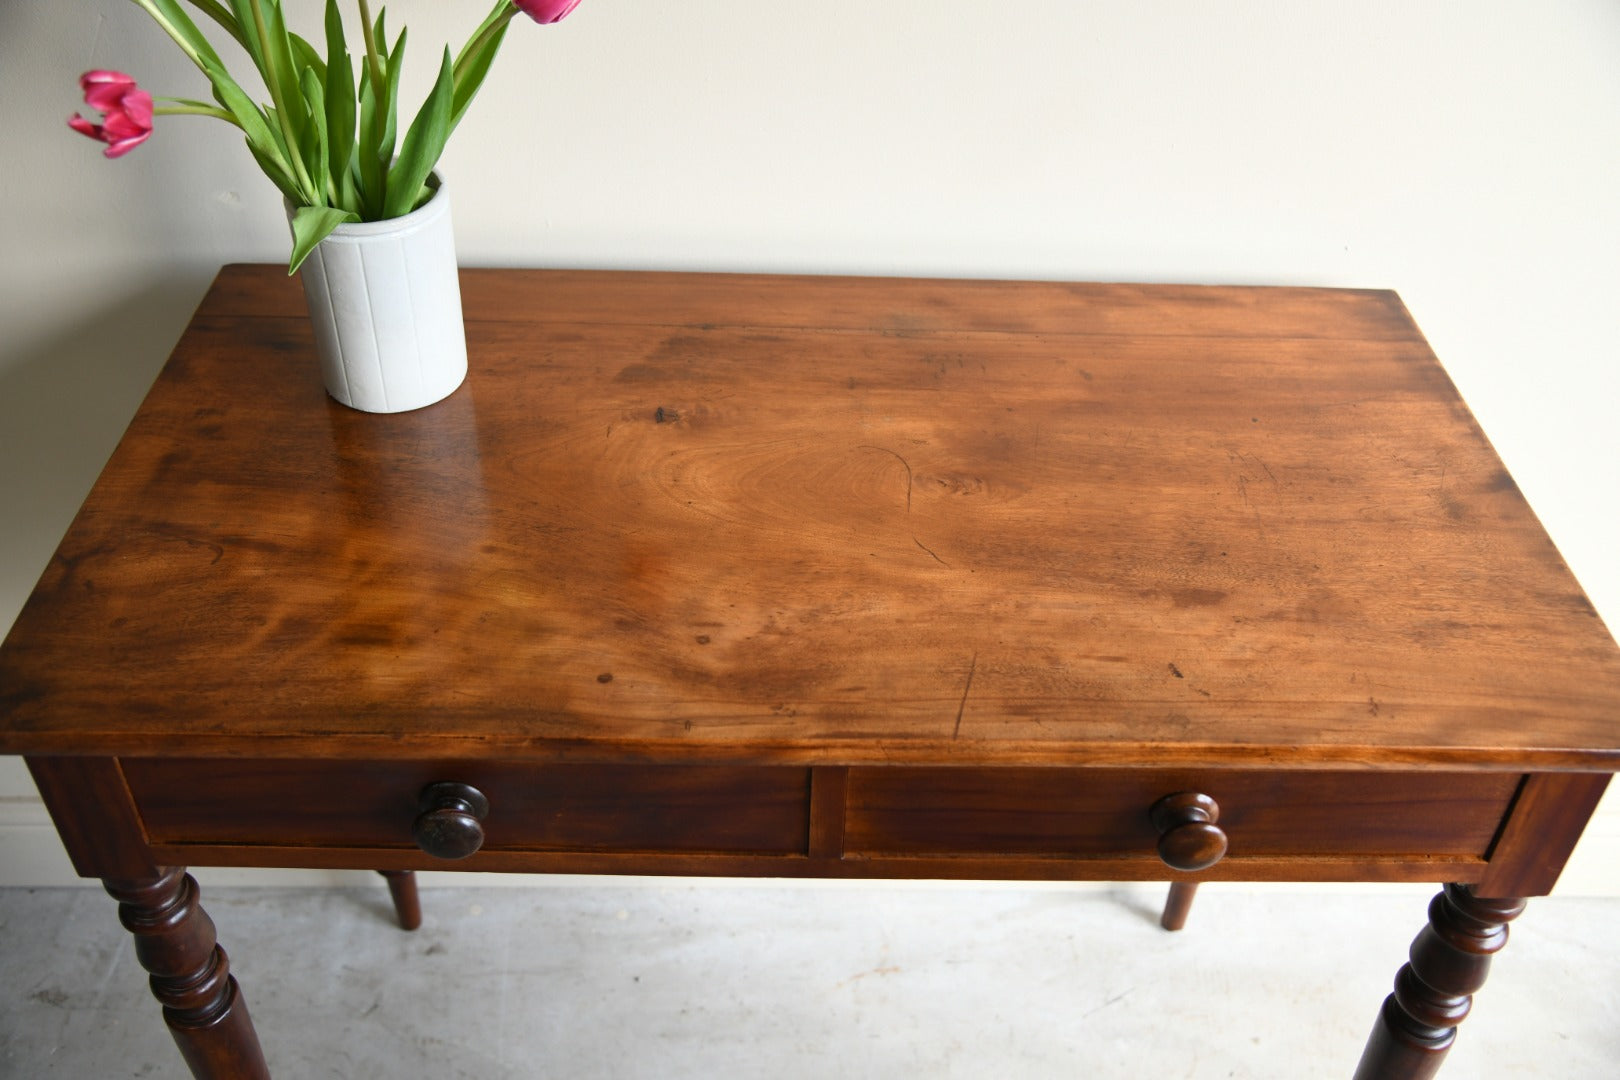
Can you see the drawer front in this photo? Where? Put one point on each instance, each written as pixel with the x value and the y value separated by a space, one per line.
pixel 572 808
pixel 1096 813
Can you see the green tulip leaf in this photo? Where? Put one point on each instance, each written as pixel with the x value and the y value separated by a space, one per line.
pixel 368 161
pixel 311 225
pixel 307 58
pixel 340 110
pixel 248 17
pixel 218 12
pixel 265 140
pixel 279 52
pixel 471 68
pixel 277 173
pixel 396 64
pixel 313 144
pixel 424 142
pixel 178 25
pixel 380 32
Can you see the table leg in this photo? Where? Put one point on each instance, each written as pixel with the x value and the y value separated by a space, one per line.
pixel 407 904
pixel 1178 904
pixel 1433 992
pixel 191 977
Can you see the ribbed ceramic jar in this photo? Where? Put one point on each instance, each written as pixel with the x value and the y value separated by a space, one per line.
pixel 385 303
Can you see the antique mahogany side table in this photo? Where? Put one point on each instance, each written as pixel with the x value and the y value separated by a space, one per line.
pixel 799 576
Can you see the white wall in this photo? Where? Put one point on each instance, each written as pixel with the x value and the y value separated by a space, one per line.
pixel 1464 152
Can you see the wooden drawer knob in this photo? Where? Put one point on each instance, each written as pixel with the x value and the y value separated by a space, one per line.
pixel 1189 839
pixel 448 825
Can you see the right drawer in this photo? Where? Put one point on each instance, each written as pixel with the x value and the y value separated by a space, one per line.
pixel 1081 813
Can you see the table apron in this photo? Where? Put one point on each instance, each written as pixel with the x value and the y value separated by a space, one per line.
pixel 1039 824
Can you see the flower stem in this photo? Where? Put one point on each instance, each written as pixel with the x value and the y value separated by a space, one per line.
pixel 368 31
pixel 193 108
pixel 273 80
pixel 493 25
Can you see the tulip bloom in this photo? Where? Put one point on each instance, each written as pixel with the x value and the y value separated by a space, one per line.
pixel 125 107
pixel 546 11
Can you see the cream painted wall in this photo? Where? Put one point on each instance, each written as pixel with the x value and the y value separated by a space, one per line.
pixel 1464 152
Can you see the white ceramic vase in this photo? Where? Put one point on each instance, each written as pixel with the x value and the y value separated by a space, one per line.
pixel 385 303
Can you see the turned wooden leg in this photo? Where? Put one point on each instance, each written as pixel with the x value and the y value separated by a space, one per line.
pixel 1178 904
pixel 1449 961
pixel 191 977
pixel 407 904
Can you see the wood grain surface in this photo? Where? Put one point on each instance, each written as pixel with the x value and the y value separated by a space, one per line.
pixel 722 518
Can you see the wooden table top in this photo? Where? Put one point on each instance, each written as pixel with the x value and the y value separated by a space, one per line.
pixel 835 520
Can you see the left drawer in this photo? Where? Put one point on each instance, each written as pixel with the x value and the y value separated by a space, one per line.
pixel 568 808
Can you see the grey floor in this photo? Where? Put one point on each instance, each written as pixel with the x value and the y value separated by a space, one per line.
pixel 676 980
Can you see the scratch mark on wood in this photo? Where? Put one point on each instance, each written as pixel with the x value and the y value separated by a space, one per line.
pixel 910 481
pixel 961 708
pixel 930 551
pixel 903 462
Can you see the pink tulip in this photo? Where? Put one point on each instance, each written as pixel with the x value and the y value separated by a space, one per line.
pixel 125 107
pixel 546 11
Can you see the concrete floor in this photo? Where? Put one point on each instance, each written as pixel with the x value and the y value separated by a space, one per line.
pixel 672 980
